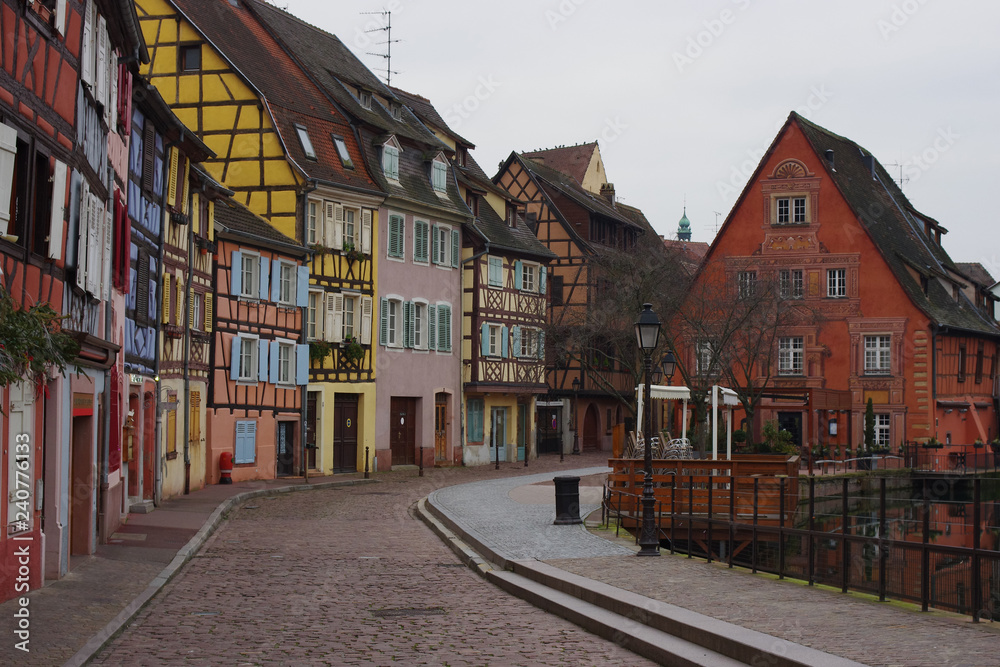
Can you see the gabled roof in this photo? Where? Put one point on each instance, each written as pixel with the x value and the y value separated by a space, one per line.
pixel 288 94
pixel 427 114
pixel 237 221
pixel 570 160
pixel 977 273
pixel 893 225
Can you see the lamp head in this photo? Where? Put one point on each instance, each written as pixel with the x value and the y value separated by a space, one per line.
pixel 647 329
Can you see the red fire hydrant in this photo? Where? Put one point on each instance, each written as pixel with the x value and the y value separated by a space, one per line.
pixel 226 468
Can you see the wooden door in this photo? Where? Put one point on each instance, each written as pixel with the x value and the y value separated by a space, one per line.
pixel 345 433
pixel 286 449
pixel 148 442
pixel 522 430
pixel 498 434
pixel 440 430
pixel 312 427
pixel 402 430
pixel 591 430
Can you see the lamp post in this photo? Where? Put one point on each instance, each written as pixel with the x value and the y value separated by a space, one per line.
pixel 576 415
pixel 647 334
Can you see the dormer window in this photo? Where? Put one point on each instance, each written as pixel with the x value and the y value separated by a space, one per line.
pixel 473 202
pixel 460 156
pixel 439 174
pixel 345 157
pixel 396 110
pixel 307 146
pixel 390 160
pixel 365 98
pixel 511 215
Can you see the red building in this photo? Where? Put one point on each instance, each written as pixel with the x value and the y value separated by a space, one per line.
pixel 879 310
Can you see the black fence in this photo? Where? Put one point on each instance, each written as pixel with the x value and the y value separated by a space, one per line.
pixel 931 541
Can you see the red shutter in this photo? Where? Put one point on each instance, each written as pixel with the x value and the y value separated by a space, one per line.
pixel 124 235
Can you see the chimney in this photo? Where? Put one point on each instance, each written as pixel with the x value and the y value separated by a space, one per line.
pixel 608 192
pixel 829 156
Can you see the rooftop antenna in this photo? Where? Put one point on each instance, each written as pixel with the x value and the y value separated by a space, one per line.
pixel 389 41
pixel 901 180
pixel 717 214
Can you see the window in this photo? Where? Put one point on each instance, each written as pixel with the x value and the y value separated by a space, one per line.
pixel 397 231
pixel 396 110
pixel 307 146
pixel 365 98
pixel 877 355
pixel 345 156
pixel 390 162
pixel 836 283
pixel 474 428
pixel 246 442
pixel 190 55
pixel 350 303
pixel 529 277
pixel 350 229
pixel 747 284
pixel 249 270
pixel 283 373
pixel 557 290
pixel 286 283
pixel 196 313
pixel 421 241
pixel 390 324
pixel 790 210
pixel 439 245
pixel 790 283
pixel 247 359
pixel 790 356
pixel 961 362
pixel 314 221
pixel 528 343
pixel 704 357
pixel 495 277
pixel 979 363
pixel 314 327
pixel 494 340
pixel 419 325
pixel 439 176
pixel 882 430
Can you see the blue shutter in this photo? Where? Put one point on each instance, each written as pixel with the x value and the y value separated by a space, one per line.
pixel 261 360
pixel 515 340
pixel 431 327
pixel 274 347
pixel 541 345
pixel 264 285
pixel 434 244
pixel 541 279
pixel 301 364
pixel 234 367
pixel 484 339
pixel 239 446
pixel 275 280
pixel 383 323
pixel 503 342
pixel 517 275
pixel 246 442
pixel 236 279
pixel 475 430
pixel 456 247
pixel 302 287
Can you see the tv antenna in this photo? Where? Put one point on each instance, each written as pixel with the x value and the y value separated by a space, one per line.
pixel 389 41
pixel 901 180
pixel 717 214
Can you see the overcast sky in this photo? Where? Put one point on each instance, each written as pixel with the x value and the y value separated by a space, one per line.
pixel 684 97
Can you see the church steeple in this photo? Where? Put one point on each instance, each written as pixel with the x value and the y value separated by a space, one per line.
pixel 684 227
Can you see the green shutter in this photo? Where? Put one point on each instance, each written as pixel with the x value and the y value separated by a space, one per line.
pixel 383 324
pixel 456 247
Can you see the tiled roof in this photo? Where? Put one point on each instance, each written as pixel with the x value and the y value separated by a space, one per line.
pixel 289 94
pixel 977 273
pixel 895 227
pixel 426 112
pixel 688 253
pixel 234 218
pixel 570 160
pixel 574 191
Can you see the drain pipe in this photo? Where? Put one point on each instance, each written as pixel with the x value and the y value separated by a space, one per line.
pixel 187 340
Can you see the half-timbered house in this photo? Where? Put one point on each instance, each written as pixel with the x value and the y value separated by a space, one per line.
pixel 291 157
pixel 62 168
pixel 572 211
pixel 888 316
pixel 420 225
pixel 504 279
pixel 259 357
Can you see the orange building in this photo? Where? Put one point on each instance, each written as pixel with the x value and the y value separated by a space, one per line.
pixel 880 311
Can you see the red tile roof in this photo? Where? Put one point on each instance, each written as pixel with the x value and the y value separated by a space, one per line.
pixel 570 160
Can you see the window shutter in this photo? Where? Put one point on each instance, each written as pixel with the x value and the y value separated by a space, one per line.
pixel 261 360
pixel 87 70
pixel 366 231
pixel 8 154
pixel 83 236
pixel 541 345
pixel 518 275
pixel 484 339
pixel 409 329
pixel 505 349
pixel 338 227
pixel 434 244
pixel 58 211
pixel 264 276
pixel 431 327
pixel 142 288
pixel 383 325
pixel 275 280
pixel 329 225
pixel 108 217
pixel 366 320
pixel 172 177
pixel 208 310
pixel 234 363
pixel 60 17
pixel 191 323
pixel 111 107
pixel 301 364
pixel 184 174
pixel 358 226
pixel 95 245
pixel 542 271
pixel 165 313
pixel 337 334
pixel 419 241
pixel 100 74
pixel 330 318
pixel 302 286
pixel 148 157
pixel 273 349
pixel 236 274
pixel 444 328
pixel 456 247
pixel 515 341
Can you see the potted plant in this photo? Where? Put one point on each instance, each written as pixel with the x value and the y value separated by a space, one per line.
pixel 319 350
pixel 351 351
pixel 352 254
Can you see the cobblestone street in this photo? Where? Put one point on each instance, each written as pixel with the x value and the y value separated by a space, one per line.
pixel 349 577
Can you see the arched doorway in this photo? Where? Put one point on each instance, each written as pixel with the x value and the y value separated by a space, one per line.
pixel 591 430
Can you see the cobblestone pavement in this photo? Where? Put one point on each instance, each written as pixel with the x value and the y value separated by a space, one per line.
pixel 349 577
pixel 860 629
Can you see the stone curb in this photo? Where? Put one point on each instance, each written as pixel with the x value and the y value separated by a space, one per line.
pixel 97 643
pixel 465 553
pixel 498 558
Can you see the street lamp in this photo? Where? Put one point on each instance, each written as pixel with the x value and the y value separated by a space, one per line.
pixel 576 415
pixel 647 334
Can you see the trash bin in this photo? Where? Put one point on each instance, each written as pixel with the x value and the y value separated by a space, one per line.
pixel 567 500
